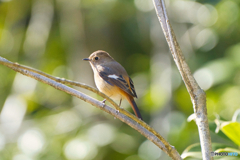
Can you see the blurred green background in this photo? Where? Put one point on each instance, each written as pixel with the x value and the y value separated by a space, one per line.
pixel 38 122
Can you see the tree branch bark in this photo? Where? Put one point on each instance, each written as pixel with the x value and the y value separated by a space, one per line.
pixel 121 114
pixel 197 95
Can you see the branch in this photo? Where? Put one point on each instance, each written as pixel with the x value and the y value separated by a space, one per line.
pixel 197 95
pixel 121 114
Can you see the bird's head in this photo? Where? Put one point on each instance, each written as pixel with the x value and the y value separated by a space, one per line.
pixel 99 57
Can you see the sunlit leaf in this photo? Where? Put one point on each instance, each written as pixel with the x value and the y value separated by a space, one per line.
pixel 212 127
pixel 232 130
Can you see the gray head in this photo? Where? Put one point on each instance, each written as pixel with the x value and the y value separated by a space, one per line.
pixel 99 57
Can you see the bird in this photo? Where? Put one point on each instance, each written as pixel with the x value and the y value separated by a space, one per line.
pixel 112 79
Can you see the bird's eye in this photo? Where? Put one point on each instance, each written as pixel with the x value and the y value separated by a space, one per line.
pixel 96 58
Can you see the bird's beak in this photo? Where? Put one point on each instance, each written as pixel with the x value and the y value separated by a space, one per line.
pixel 86 59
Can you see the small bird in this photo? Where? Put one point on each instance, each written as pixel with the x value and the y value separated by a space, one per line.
pixel 112 79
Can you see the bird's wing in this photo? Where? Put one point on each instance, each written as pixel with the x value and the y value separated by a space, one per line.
pixel 124 83
pixel 132 87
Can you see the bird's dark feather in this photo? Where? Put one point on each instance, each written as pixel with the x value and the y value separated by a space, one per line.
pixel 119 82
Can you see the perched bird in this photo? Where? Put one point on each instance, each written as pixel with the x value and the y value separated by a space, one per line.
pixel 112 79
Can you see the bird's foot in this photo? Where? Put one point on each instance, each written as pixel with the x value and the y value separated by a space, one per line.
pixel 103 102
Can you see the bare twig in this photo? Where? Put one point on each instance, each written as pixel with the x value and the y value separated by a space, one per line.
pixel 120 113
pixel 197 95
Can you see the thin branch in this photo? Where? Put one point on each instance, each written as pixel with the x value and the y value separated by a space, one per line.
pixel 119 113
pixel 78 84
pixel 66 81
pixel 197 95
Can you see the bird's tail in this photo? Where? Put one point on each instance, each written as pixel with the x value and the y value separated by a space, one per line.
pixel 134 107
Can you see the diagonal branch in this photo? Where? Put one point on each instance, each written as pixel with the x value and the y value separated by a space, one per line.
pixel 197 95
pixel 119 113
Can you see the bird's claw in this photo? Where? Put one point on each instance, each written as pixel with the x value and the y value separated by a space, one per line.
pixel 103 102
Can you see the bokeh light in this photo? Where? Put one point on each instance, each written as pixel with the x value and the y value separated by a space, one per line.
pixel 80 149
pixel 12 114
pixel 101 134
pixel 31 142
pixel 148 150
pixel 206 82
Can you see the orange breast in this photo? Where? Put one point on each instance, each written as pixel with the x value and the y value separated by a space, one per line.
pixel 111 91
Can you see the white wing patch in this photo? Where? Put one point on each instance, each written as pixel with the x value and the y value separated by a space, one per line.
pixel 113 76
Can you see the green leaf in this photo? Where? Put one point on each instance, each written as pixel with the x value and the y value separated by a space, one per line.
pixel 228 149
pixel 213 126
pixel 232 130
pixel 193 151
